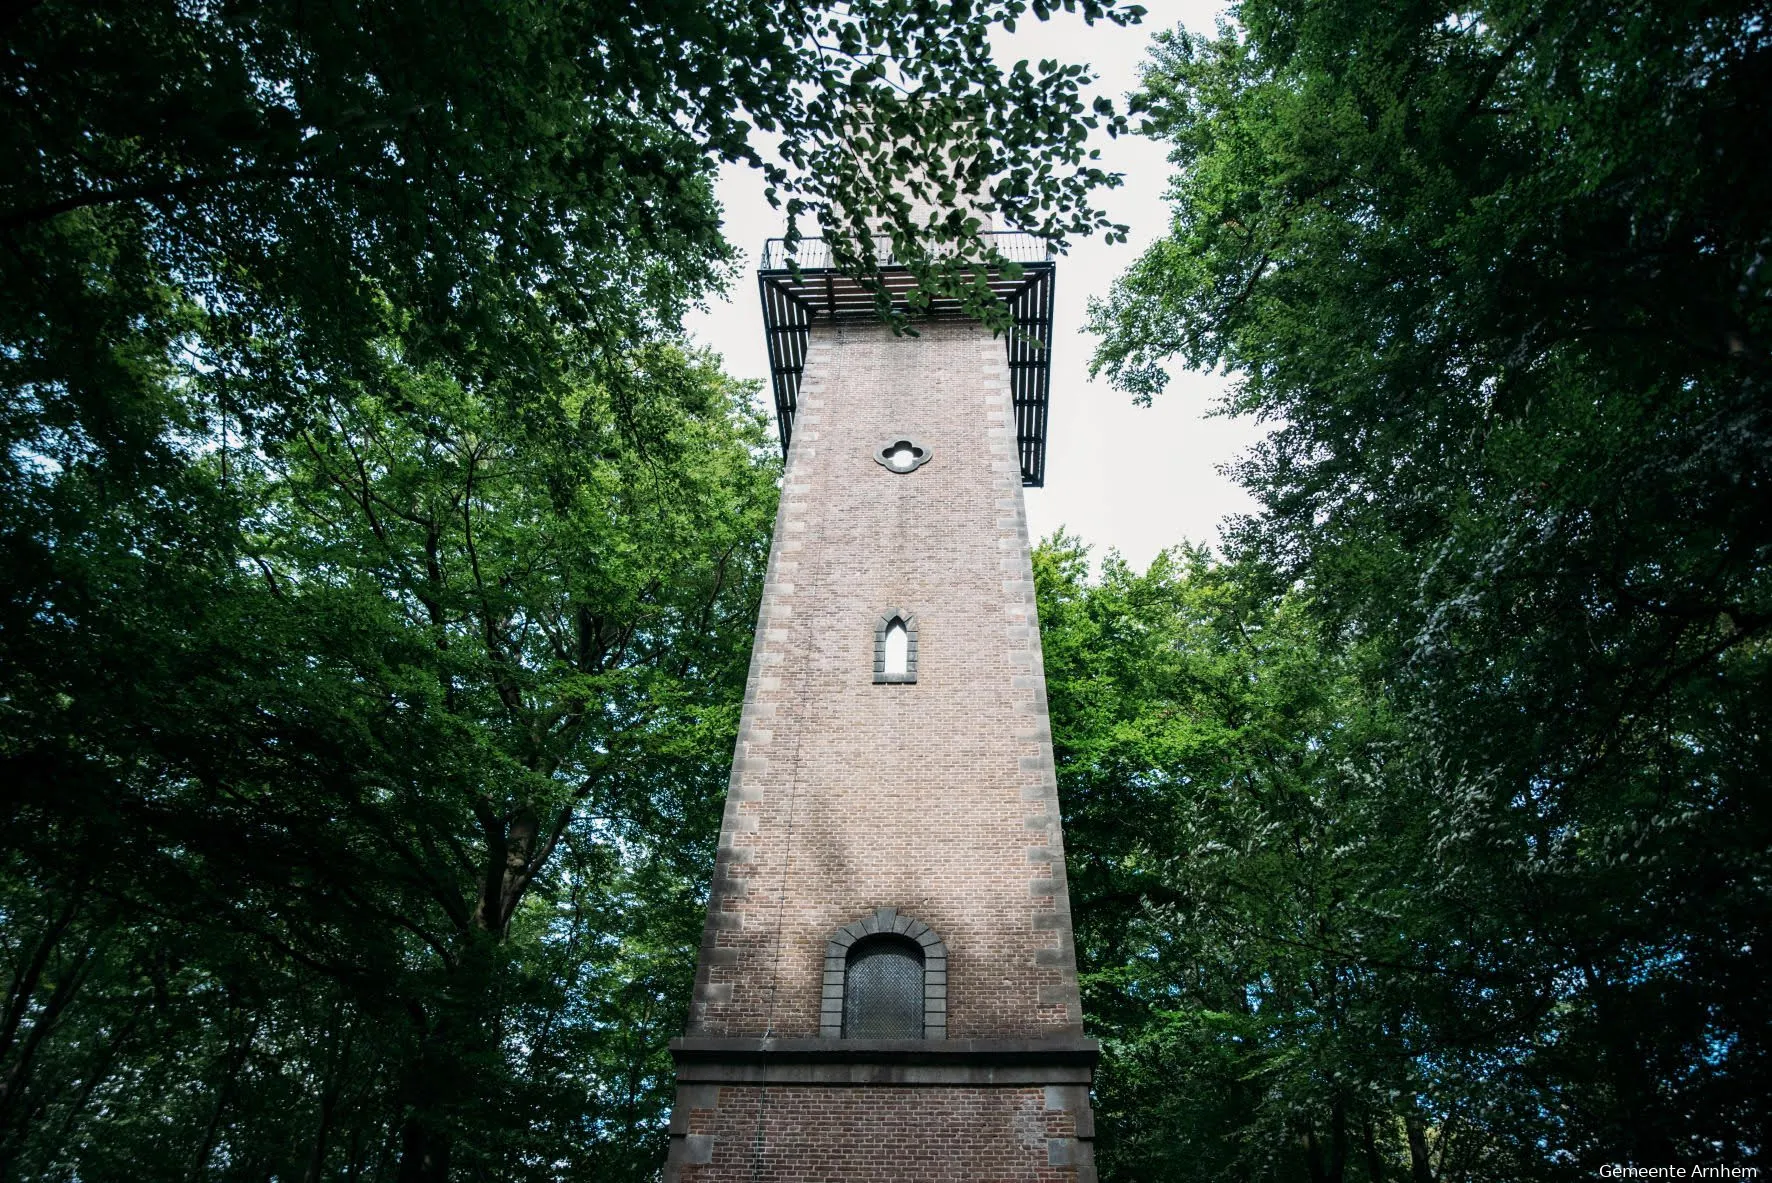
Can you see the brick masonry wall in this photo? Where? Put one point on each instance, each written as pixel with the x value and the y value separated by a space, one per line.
pixel 903 1135
pixel 936 798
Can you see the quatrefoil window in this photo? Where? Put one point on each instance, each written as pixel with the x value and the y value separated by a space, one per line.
pixel 901 453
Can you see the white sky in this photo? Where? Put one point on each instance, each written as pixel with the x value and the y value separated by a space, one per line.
pixel 1119 476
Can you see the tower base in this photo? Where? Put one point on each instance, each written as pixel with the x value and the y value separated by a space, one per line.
pixel 896 1111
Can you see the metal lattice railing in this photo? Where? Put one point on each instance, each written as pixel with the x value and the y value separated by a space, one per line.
pixel 818 292
pixel 814 254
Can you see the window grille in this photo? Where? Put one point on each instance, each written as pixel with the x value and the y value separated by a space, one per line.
pixel 883 990
pixel 909 954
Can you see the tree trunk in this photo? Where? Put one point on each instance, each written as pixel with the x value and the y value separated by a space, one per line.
pixel 511 850
pixel 14 1114
pixel 19 1042
pixel 1337 1142
pixel 354 1167
pixel 329 1109
pixel 223 1093
pixel 424 1151
pixel 1313 1156
pixel 456 1034
pixel 25 980
pixel 1333 1170
pixel 424 1131
pixel 1420 1171
pixel 1374 1163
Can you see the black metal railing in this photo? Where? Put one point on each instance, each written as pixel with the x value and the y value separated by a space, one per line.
pixel 815 291
pixel 814 254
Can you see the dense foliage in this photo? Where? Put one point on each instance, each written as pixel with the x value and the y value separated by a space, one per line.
pixel 378 572
pixel 1497 275
pixel 378 823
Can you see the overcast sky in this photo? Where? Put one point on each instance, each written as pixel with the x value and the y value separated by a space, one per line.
pixel 1119 476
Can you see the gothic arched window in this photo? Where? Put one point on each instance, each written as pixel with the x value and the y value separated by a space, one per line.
pixel 895 647
pixel 885 977
pixel 898 648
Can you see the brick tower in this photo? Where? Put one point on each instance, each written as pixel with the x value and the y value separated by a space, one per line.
pixel 887 985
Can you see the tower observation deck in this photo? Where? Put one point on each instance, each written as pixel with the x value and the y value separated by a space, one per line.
pixel 822 294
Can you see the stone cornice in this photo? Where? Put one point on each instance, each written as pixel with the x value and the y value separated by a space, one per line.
pixel 1066 1059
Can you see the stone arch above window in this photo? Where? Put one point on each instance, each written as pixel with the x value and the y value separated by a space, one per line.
pixel 892 664
pixel 885 943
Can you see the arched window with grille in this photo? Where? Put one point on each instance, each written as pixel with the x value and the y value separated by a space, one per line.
pixel 885 978
pixel 883 989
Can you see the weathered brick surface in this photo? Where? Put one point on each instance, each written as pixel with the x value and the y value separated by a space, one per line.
pixel 936 798
pixel 899 1134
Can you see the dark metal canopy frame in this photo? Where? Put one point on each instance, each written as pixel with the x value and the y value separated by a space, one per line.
pixel 817 292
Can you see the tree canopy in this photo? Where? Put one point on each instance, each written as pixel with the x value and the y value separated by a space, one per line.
pixel 380 570
pixel 380 567
pixel 1495 275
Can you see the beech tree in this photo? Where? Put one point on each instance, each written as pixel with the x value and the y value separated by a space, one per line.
pixel 1496 276
pixel 379 567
